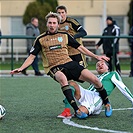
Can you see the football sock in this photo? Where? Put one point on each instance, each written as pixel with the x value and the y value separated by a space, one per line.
pixel 69 96
pixel 67 105
pixel 65 101
pixel 103 95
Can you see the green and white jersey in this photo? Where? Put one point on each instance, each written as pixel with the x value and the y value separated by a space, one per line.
pixel 110 80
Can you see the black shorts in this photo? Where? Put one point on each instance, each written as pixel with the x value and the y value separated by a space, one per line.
pixel 72 70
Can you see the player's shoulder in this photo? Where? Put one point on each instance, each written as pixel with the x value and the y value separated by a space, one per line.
pixel 116 74
pixel 72 20
pixel 62 32
pixel 109 74
pixel 41 35
pixel 113 72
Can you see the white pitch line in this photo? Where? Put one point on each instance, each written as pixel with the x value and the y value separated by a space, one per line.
pixel 71 123
pixel 121 109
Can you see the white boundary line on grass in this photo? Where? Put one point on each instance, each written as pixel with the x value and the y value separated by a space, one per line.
pixel 121 109
pixel 71 123
pixel 68 121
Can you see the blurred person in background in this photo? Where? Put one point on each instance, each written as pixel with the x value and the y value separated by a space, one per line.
pixel 32 30
pixel 111 45
pixel 75 29
pixel 131 46
pixel 0 35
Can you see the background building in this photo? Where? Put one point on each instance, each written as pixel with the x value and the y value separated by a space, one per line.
pixel 90 13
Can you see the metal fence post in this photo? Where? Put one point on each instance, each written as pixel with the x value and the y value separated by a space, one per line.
pixel 113 58
pixel 12 66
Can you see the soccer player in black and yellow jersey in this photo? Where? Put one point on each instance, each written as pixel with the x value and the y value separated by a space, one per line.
pixel 56 61
pixel 75 29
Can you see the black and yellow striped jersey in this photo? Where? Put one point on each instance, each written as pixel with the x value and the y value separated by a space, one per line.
pixel 54 48
pixel 73 27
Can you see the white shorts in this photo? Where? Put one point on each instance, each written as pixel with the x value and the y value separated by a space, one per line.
pixel 91 100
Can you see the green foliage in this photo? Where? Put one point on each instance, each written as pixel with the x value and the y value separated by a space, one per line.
pixel 130 14
pixel 39 9
pixel 53 3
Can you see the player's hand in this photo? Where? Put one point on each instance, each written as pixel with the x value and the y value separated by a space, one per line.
pixel 105 58
pixel 15 71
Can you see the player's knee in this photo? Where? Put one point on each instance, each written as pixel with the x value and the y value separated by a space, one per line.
pixel 97 82
pixel 61 78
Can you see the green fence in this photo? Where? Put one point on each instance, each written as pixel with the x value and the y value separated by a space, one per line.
pixel 12 37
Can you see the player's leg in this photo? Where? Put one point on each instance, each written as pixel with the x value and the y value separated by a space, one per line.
pixel 90 101
pixel 97 104
pixel 76 93
pixel 86 75
pixel 66 113
pixel 61 78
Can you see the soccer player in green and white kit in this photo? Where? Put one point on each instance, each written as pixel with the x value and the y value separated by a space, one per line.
pixel 89 99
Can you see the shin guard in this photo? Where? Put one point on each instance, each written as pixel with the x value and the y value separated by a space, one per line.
pixel 103 95
pixel 68 93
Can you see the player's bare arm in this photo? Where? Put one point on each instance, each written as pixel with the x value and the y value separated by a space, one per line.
pixel 85 51
pixel 27 63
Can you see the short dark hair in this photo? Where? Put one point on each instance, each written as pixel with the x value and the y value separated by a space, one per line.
pixel 107 63
pixel 62 8
pixel 109 18
pixel 32 19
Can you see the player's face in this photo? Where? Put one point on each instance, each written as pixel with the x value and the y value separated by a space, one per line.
pixel 63 14
pixel 101 67
pixel 52 25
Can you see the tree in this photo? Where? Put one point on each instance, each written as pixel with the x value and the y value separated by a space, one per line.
pixel 39 9
pixel 53 3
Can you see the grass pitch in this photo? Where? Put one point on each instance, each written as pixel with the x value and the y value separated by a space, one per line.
pixel 32 104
